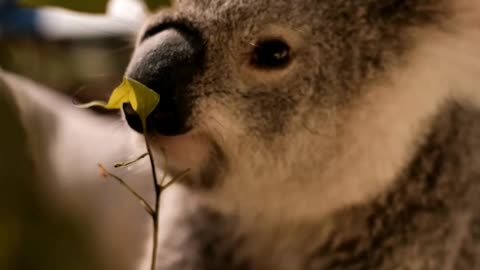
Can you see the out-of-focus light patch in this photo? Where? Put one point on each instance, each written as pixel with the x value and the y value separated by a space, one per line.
pixel 58 23
pixel 127 9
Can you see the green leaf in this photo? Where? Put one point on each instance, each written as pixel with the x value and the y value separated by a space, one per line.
pixel 142 99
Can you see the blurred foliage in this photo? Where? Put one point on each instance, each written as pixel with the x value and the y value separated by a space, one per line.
pixel 95 6
pixel 32 234
pixel 86 70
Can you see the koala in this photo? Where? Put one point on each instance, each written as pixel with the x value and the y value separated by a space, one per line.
pixel 321 134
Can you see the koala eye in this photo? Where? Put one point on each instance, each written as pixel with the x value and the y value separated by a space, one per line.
pixel 271 54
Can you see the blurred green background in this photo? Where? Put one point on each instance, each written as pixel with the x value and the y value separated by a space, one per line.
pixel 95 6
pixel 85 69
pixel 33 235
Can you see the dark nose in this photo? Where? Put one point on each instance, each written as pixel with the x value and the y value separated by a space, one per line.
pixel 167 62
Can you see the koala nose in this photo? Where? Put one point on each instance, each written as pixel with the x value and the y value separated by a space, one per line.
pixel 167 61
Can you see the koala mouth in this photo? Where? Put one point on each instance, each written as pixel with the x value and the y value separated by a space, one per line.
pixel 184 146
pixel 163 122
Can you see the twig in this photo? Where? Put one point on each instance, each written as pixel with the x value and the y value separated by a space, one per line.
pixel 144 203
pixel 127 163
pixel 159 188
pixel 157 205
pixel 176 179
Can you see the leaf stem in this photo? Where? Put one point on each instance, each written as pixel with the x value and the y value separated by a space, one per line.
pixel 155 217
pixel 152 165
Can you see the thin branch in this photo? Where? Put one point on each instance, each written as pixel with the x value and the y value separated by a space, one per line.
pixel 159 187
pixel 144 203
pixel 127 163
pixel 157 203
pixel 176 179
pixel 152 165
pixel 155 234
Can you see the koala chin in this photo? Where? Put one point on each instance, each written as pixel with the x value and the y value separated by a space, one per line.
pixel 320 134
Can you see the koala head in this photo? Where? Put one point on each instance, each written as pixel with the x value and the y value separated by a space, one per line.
pixel 298 107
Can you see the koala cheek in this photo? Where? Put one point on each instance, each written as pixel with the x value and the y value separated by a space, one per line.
pixel 183 152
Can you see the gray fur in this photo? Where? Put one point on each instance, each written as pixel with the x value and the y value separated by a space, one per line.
pixel 428 220
pixel 431 211
pixel 362 154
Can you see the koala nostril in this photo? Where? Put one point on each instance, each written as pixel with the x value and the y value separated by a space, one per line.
pixel 170 124
pixel 132 118
pixel 167 62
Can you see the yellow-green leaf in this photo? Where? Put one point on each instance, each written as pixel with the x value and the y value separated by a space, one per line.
pixel 142 99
